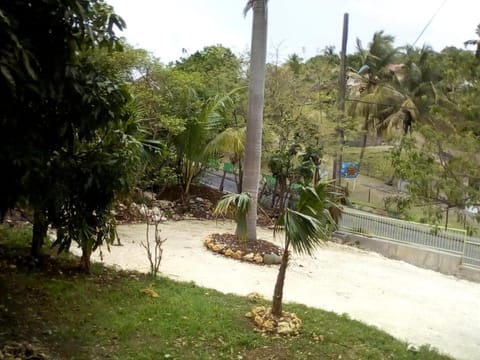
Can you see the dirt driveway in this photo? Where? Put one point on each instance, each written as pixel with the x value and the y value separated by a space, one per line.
pixel 413 304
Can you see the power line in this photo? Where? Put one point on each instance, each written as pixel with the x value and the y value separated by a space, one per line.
pixel 429 22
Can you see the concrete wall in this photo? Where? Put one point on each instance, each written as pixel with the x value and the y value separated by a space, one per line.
pixel 432 259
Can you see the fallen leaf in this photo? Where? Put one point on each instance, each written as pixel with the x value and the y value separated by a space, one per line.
pixel 150 292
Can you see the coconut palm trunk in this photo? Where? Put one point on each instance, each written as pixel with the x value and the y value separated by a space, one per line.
pixel 40 227
pixel 253 148
pixel 278 291
pixel 304 229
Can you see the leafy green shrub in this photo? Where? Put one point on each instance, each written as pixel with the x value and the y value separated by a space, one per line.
pixel 18 236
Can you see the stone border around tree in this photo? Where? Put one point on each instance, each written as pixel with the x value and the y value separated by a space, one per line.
pixel 251 257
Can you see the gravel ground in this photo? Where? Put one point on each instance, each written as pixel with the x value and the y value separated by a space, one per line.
pixel 413 304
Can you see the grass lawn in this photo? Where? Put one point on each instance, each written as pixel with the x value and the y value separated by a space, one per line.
pixel 107 316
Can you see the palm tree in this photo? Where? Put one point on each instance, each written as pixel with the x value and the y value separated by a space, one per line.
pixel 256 91
pixel 191 142
pixel 475 42
pixel 411 92
pixel 230 143
pixel 304 228
pixel 380 53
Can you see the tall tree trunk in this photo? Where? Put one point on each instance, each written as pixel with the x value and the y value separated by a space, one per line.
pixel 256 89
pixel 274 193
pixel 222 182
pixel 446 217
pixel 240 178
pixel 40 227
pixel 278 292
pixel 364 141
pixel 85 263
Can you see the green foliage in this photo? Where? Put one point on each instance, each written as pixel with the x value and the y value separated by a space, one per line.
pixel 230 143
pixel 183 111
pixel 47 98
pixel 65 138
pixel 437 175
pixel 15 236
pixel 237 205
pixel 192 141
pixel 92 176
pixel 219 68
pixel 401 203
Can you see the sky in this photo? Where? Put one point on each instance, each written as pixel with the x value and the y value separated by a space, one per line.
pixel 171 29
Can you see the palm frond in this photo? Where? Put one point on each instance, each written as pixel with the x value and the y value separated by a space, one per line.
pixel 303 232
pixel 230 142
pixel 237 205
pixel 311 222
pixel 249 6
pixel 191 142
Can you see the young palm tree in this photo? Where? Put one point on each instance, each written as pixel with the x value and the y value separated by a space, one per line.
pixel 256 89
pixel 191 142
pixel 304 229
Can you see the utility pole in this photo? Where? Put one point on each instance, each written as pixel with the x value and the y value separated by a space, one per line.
pixel 342 85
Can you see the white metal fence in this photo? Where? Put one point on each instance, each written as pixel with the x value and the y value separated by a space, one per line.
pixel 450 240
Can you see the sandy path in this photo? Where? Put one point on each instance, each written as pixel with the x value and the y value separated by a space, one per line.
pixel 413 304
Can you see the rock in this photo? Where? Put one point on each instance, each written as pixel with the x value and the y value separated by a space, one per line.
pixel 156 211
pixel 249 257
pixel 229 252
pixel 258 320
pixel 218 247
pixel 237 254
pixel 269 325
pixel 208 239
pixel 143 210
pixel 288 324
pixel 199 199
pixel 165 204
pixel 270 259
pixel 284 328
pixel 258 258
pixel 149 195
pixel 255 296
